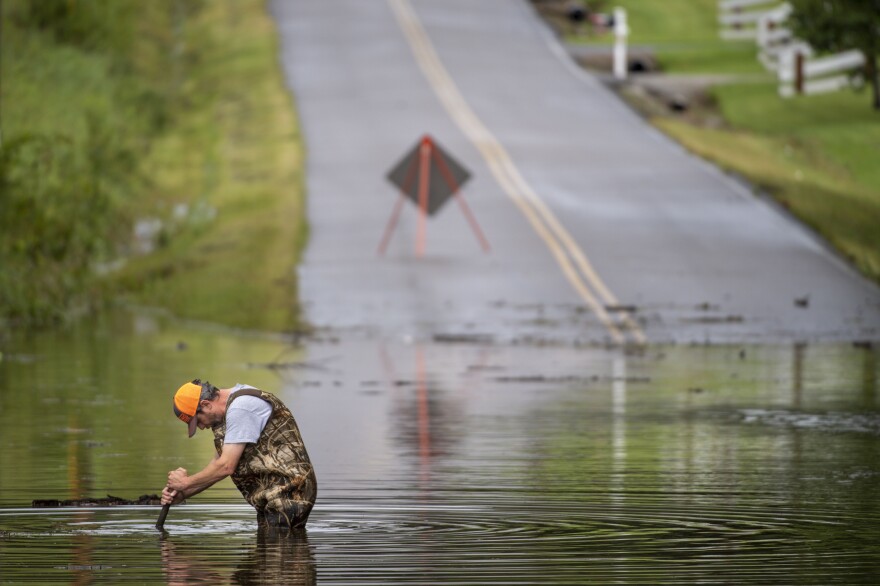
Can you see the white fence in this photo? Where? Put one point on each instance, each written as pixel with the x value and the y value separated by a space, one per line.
pixel 773 37
pixel 800 75
pixel 781 52
pixel 739 18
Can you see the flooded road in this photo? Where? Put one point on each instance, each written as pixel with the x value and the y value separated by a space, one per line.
pixel 449 462
pixel 601 229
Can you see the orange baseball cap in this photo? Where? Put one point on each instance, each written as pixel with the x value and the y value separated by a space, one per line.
pixel 186 404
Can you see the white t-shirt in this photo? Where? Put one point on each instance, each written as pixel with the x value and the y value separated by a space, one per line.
pixel 246 418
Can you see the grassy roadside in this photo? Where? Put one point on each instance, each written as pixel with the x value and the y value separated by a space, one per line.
pixel 150 153
pixel 816 155
pixel 235 166
pixel 78 109
pixel 681 34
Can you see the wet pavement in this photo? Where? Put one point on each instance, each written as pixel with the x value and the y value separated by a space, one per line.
pixel 601 229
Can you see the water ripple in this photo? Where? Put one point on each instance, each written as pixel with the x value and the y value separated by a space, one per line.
pixel 498 537
pixel 835 422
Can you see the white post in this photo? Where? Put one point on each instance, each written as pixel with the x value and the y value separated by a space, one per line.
pixel 621 31
pixel 792 72
pixel 786 72
pixel 763 28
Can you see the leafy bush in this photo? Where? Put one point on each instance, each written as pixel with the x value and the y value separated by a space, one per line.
pixel 89 24
pixel 58 215
pixel 88 86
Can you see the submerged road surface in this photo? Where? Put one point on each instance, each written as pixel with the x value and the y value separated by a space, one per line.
pixel 601 229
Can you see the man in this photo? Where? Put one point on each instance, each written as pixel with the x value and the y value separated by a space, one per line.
pixel 258 443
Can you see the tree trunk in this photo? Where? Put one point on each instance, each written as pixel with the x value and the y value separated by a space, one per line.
pixel 876 83
pixel 871 70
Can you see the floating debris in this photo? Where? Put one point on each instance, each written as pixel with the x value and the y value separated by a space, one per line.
pixel 110 501
pixel 834 422
pixel 463 338
pixel 721 319
pixel 621 308
pixel 296 365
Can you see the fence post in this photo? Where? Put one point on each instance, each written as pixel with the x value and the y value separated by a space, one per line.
pixel 785 72
pixel 621 31
pixel 762 35
pixel 798 71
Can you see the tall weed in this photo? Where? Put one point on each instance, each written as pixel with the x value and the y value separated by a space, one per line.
pixel 87 87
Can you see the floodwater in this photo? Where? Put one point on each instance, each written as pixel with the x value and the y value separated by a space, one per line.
pixel 449 462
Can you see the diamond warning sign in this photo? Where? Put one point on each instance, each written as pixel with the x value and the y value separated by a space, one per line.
pixel 428 171
pixel 428 176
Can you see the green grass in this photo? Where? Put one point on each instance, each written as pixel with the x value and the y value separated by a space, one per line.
pixel 709 57
pixel 238 157
pixel 172 110
pixel 683 34
pixel 671 21
pixel 79 82
pixel 816 156
pixel 841 125
pixel 72 129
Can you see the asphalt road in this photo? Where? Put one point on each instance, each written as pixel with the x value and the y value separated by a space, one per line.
pixel 601 229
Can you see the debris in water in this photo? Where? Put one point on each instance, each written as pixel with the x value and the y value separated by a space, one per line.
pixel 110 501
pixel 540 378
pixel 463 338
pixel 621 308
pixel 721 319
pixel 313 365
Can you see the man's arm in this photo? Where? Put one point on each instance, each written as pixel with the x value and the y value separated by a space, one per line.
pixel 218 469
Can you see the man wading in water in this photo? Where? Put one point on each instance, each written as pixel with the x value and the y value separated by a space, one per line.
pixel 258 444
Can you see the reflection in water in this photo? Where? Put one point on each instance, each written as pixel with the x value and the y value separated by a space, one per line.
pixel 618 426
pixel 83 551
pixel 425 414
pixel 451 462
pixel 797 375
pixel 869 378
pixel 278 556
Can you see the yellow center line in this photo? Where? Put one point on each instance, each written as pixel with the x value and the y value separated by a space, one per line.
pixel 568 255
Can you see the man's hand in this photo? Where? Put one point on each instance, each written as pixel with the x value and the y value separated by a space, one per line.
pixel 217 469
pixel 177 480
pixel 170 496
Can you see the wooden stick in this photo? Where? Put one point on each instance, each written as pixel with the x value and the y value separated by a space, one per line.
pixel 160 524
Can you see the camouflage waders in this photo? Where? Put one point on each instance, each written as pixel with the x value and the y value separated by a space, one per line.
pixel 275 474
